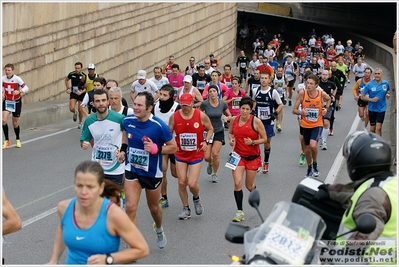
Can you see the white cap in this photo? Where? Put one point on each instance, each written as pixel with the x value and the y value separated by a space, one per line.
pixel 188 79
pixel 141 74
pixel 91 66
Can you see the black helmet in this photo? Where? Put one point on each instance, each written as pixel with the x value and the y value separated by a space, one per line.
pixel 366 153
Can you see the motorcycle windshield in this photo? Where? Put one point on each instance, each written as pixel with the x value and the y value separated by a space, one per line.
pixel 287 236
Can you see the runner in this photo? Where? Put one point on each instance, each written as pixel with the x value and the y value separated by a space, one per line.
pixel 215 108
pixel 103 130
pixel 246 134
pixel 13 89
pixel 145 138
pixel 189 125
pixel 163 109
pixel 312 112
pixel 76 92
pixel 91 226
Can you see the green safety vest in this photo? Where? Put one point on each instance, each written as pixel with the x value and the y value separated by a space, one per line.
pixel 389 185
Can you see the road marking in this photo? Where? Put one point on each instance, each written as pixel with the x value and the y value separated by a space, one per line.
pixel 34 201
pixel 44 136
pixel 339 159
pixel 39 217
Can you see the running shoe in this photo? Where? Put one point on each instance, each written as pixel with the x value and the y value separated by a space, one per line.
pixel 199 209
pixel 331 132
pixel 302 158
pixel 6 144
pixel 215 178
pixel 320 142
pixel 80 126
pixel 186 214
pixel 239 216
pixel 289 103
pixel 161 238
pixel 265 168
pixel 278 126
pixel 18 143
pixel 316 172
pixel 164 203
pixel 324 145
pixel 209 169
pixel 75 116
pixel 349 81
pixel 309 172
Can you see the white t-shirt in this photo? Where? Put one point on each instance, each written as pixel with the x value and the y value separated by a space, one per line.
pixel 159 83
pixel 339 49
pixel 148 86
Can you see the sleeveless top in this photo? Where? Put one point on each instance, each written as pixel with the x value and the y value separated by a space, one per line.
pixel 80 242
pixel 189 136
pixel 244 131
pixel 314 117
pixel 165 116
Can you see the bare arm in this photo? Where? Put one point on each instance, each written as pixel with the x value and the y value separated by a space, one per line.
pixel 198 97
pixel 298 101
pixel 121 225
pixel 132 96
pixel 12 222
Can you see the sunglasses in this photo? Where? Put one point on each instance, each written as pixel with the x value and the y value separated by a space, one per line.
pixel 90 69
pixel 108 87
pixel 214 66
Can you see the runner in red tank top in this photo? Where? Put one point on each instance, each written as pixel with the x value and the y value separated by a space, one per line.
pixel 189 125
pixel 246 133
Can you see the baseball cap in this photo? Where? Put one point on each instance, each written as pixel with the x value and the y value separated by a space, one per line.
pixel 289 55
pixel 141 74
pixel 188 79
pixel 186 99
pixel 360 47
pixel 91 66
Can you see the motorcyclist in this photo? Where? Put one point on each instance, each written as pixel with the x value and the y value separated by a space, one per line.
pixel 373 188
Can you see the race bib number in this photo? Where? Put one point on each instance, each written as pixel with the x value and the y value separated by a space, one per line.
pixel 105 155
pixel 285 242
pixel 75 89
pixel 233 160
pixel 139 158
pixel 188 141
pixel 235 104
pixel 10 105
pixel 264 113
pixel 243 65
pixel 313 114
pixel 201 85
pixel 210 140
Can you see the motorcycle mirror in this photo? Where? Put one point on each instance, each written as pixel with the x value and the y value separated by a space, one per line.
pixel 365 223
pixel 235 233
pixel 254 199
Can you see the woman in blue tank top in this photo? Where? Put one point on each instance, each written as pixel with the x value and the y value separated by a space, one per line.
pixel 91 225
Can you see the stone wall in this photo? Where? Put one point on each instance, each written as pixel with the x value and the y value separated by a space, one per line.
pixel 44 40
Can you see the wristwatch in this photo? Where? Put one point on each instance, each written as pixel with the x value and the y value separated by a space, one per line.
pixel 206 141
pixel 253 143
pixel 109 259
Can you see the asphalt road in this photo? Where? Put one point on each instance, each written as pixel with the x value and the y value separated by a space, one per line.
pixel 40 174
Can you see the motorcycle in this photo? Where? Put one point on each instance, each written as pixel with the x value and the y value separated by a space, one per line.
pixel 289 235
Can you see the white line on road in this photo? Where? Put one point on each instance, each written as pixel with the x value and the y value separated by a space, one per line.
pixel 45 136
pixel 39 217
pixel 332 174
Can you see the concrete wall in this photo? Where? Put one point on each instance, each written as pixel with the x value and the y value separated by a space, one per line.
pixel 44 40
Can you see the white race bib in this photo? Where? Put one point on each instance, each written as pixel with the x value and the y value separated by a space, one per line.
pixel 235 104
pixel 233 160
pixel 10 105
pixel 264 113
pixel 105 155
pixel 139 158
pixel 313 114
pixel 188 141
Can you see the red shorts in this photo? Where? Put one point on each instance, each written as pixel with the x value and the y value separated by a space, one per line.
pixel 251 165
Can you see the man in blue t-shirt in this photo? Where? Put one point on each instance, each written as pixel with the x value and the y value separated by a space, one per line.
pixel 145 138
pixel 376 92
